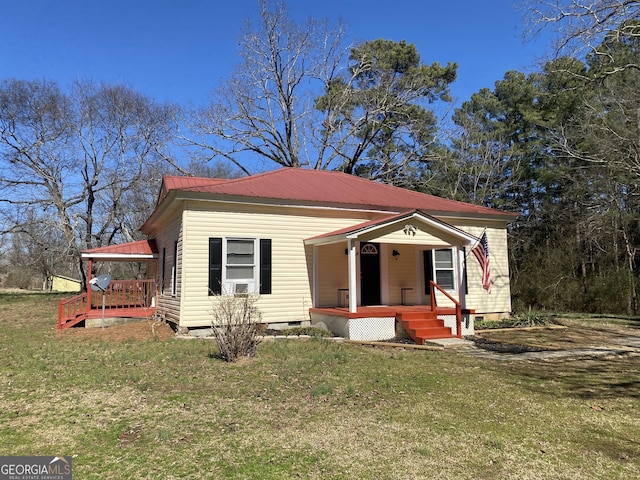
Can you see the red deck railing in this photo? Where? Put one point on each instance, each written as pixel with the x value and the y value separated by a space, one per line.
pixel 434 286
pixel 72 310
pixel 122 298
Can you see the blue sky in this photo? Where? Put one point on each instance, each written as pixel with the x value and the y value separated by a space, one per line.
pixel 180 50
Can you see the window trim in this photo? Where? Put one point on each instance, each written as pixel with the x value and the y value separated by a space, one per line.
pixel 174 271
pixel 451 269
pixel 164 270
pixel 230 285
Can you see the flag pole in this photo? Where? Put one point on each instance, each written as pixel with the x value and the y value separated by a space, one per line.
pixel 478 239
pixel 481 252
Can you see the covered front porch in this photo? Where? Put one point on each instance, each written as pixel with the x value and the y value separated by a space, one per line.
pixel 418 322
pixel 407 269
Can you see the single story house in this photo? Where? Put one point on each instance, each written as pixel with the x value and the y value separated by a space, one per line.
pixel 322 247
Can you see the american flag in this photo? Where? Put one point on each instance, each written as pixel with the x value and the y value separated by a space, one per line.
pixel 481 252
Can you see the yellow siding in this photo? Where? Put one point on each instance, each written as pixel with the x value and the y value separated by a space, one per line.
pixel 499 301
pixel 169 305
pixel 62 284
pixel 333 269
pixel 420 238
pixel 403 273
pixel 291 278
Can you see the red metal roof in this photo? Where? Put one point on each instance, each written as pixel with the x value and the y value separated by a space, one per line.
pixel 174 182
pixel 326 188
pixel 360 226
pixel 171 182
pixel 139 248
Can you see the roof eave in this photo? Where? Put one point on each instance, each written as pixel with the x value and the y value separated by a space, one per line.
pixel 120 256
pixel 180 194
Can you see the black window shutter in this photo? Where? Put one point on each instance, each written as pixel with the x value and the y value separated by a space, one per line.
pixel 215 266
pixel 164 269
pixel 464 270
pixel 428 270
pixel 265 265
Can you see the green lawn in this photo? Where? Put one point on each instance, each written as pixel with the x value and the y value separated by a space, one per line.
pixel 307 409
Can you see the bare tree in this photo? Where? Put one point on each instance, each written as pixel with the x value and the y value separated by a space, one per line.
pixel 301 98
pixel 69 160
pixel 581 25
pixel 266 108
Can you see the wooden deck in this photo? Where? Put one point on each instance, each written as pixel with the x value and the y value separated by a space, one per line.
pixel 123 298
pixel 116 312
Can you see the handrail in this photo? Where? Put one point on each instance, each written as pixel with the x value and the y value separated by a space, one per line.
pixel 120 295
pixel 433 285
pixel 71 308
pixel 126 294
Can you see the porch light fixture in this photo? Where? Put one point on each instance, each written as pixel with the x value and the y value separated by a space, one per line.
pixel 395 253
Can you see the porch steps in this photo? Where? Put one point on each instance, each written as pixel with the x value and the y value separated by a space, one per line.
pixel 423 326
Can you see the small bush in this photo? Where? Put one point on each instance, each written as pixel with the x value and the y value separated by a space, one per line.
pixel 236 325
pixel 528 318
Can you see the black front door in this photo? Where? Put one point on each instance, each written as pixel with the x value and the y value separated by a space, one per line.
pixel 370 273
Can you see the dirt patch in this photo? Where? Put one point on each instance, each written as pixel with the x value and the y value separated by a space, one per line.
pixel 504 347
pixel 138 331
pixel 577 335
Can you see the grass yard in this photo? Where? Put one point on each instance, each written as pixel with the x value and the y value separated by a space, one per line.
pixel 165 408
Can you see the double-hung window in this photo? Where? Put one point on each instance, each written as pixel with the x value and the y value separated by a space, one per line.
pixel 443 268
pixel 239 265
pixel 439 266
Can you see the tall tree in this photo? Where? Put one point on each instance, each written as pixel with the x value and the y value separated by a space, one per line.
pixel 376 122
pixel 68 160
pixel 266 108
pixel 296 100
pixel 499 143
pixel 580 26
pixel 605 137
pixel 567 136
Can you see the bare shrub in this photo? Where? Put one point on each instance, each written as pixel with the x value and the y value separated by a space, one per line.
pixel 235 325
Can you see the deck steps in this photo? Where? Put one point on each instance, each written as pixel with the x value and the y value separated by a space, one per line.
pixel 423 326
pixel 72 322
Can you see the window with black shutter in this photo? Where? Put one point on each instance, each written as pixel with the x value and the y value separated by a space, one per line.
pixel 233 267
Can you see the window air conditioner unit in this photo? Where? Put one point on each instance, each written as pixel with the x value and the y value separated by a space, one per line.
pixel 241 288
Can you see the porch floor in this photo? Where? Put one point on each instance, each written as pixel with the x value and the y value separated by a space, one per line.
pixel 117 312
pixel 380 311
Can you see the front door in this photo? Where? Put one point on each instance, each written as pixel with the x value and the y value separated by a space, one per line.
pixel 370 273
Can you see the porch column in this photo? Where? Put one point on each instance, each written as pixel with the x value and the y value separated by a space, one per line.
pixel 316 277
pixel 89 291
pixel 353 285
pixel 462 264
